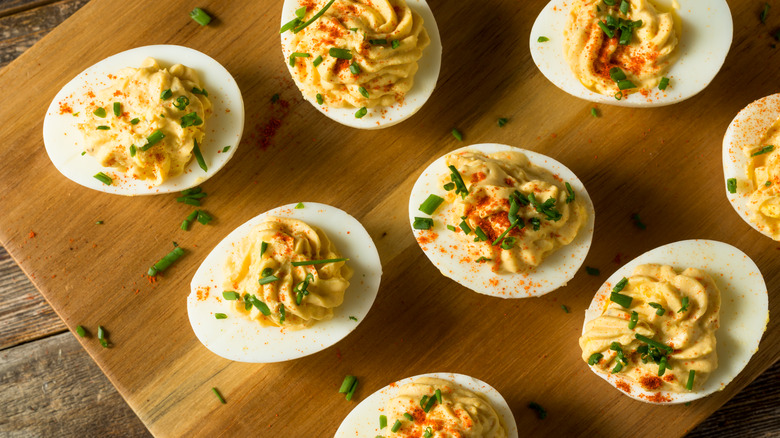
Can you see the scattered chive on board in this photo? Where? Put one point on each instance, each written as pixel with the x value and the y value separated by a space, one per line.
pixel 457 134
pixel 540 411
pixel 200 16
pixel 219 396
pixel 592 271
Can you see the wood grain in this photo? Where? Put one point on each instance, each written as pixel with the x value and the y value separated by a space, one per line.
pixel 36 197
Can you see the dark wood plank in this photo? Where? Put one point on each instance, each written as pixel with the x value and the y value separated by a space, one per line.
pixel 50 388
pixel 19 31
pixel 24 314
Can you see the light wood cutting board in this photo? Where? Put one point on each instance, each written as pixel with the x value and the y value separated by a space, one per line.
pixel 661 163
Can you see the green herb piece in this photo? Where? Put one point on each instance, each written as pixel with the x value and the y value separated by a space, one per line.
pixel 166 94
pixel 282 314
pixel 625 84
pixel 547 208
pixel 103 128
pixel 684 307
pixel 202 92
pixel 540 411
pixel 100 112
pixel 263 247
pixel 662 366
pixel 353 318
pixel 452 228
pixel 429 405
pixel 659 309
pixel 408 416
pixel 618 367
pixel 653 343
pixel 431 204
pixel 81 331
pixel 623 300
pixel 220 316
pixel 619 95
pixel 261 306
pixel 396 426
pixel 320 100
pixel 565 309
pixel 132 150
pixel 438 396
pixel 763 150
pixel 347 383
pixel 230 295
pixel 361 112
pixel 502 122
pixel 663 84
pixel 616 74
pixel 595 358
pixel 594 112
pixel 191 119
pixel 152 139
pixel 592 271
pixel 299 206
pixel 764 13
pixel 105 179
pixel 313 18
pixel 395 44
pixel 606 29
pixel 295 55
pixel 165 262
pixel 354 68
pixel 135 121
pixel 363 92
pixel 101 334
pixel 624 7
pixel 423 401
pixel 185 225
pixel 457 179
pixel 181 102
pixel 188 201
pixel 428 432
pixel 542 39
pixel 457 134
pixel 633 321
pixel 382 421
pixel 465 227
pixel 83 153
pixel 570 191
pixel 318 262
pixel 317 61
pixel 689 384
pixel 379 42
pixel 201 17
pixel 768 183
pixel 300 12
pixel 731 184
pixel 117 109
pixel 199 156
pixel 99 223
pixel 219 396
pixel 266 279
pixel 508 243
pixel 481 236
pixel 340 53
pixel 290 25
pixel 482 260
pixel 620 285
pixel 422 223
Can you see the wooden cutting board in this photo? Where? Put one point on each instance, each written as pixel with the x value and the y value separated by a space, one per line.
pixel 662 163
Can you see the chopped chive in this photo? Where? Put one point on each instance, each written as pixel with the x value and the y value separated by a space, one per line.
pixel 185 225
pixel 731 184
pixel 299 206
pixel 542 39
pixel 623 300
pixel 153 139
pixel 166 94
pixel 606 29
pixel 763 150
pixel 618 367
pixel 100 112
pixel 132 150
pixel 295 55
pixel 230 295
pixel 191 119
pixel 540 411
pixel 422 223
pixel 219 396
pixel 684 305
pixel 508 243
pixel 379 42
pixel 592 271
pixel 353 318
pixel 314 17
pixel 203 91
pixel 181 102
pixel 616 74
pixel 460 186
pixel 199 156
pixel 220 316
pixel 347 383
pixel 300 12
pixel 768 183
pixel 318 262
pixel 625 84
pixel 429 405
pixel 565 309
pixel 482 260
pixel 408 416
pixel 633 321
pixel 689 384
pixel 431 204
pixel 188 201
pixel 225 149
pixel 135 121
pixel 99 223
pixel 502 122
pixel 619 95
pixel 594 112
pixel 354 68
pixel 263 247
pixel 620 285
pixel 465 227
pixel 103 128
pixel 480 234
pixel 438 396
pixel 282 314
pixel 423 401
pixel 105 179
pixel 117 109
pixel 200 16
pixel 363 92
pixel 290 25
pixel 83 153
pixel 382 421
pixel 449 186
pixel 595 358
pixel 320 100
pixel 428 432
pixel 663 84
pixel 101 334
pixel 261 306
pixel 396 426
pixel 662 366
pixel 659 308
pixel 165 262
pixel 268 279
pixel 653 343
pixel 570 191
pixel 395 44
pixel 457 135
pixel 764 13
pixel 340 53
pixel 361 112
pixel 81 331
pixel 451 228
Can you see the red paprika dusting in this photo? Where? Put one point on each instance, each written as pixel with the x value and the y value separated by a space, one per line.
pixel 65 108
pixel 623 386
pixel 477 177
pixel 651 383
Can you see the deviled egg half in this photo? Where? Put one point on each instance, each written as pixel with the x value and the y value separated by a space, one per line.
pixel 432 405
pixel 288 283
pixel 751 165
pixel 502 221
pixel 635 53
pixel 141 123
pixel 365 64
pixel 676 323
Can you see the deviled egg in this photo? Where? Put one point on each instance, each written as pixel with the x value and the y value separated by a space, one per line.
pixel 139 122
pixel 751 166
pixel 676 323
pixel 364 64
pixel 288 283
pixel 635 53
pixel 502 221
pixel 439 404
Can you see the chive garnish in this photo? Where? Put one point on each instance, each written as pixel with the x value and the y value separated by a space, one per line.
pixel 299 206
pixel 460 186
pixel 83 153
pixel 619 95
pixel 540 411
pixel 508 243
pixel 103 128
pixel 153 139
pixel 318 262
pixel 482 260
pixel 663 84
pixel 408 416
pixel 620 285
pixel 181 102
pixel 684 305
pixel 662 366
pixel 220 316
pixel 659 309
pixel 191 119
pixel 361 112
pixel 295 55
pixel 689 384
pixel 314 17
pixel 263 247
pixel 100 112
pixel 320 100
pixel 261 306
pixel 363 92
pixel 423 401
pixel 592 271
pixel 203 91
pixel 457 135
pixel 230 295
pixel 431 204
pixel 595 358
pixel 200 16
pixel 199 156
pixel 570 191
pixel 616 74
pixel 166 94
pixel 624 7
pixel 429 405
pixel 282 314
pixel 502 122
pixel 623 300
pixel 653 343
pixel 438 396
pixel 353 318
pixel 101 334
pixel 618 367
pixel 422 223
pixel 565 309
pixel 382 421
pixel 347 383
pixel 594 112
pixel 185 225
pixel 395 44
pixel 606 29
pixel 768 183
pixel 731 184
pixel 132 150
pixel 633 321
pixel 192 216
pixel 452 228
pixel 379 42
pixel 340 53
pixel 81 331
pixel 764 150
pixel 300 289
pixel 764 13
pixel 449 186
pixel 300 12
pixel 480 234
pixel 465 227
pixel 105 179
pixel 396 426
pixel 225 149
pixel 290 25
pixel 354 68
pixel 638 221
pixel 165 262
pixel 542 39
pixel 219 396
pixel 266 279
pixel 117 109
pixel 428 432
pixel 135 121
pixel 625 84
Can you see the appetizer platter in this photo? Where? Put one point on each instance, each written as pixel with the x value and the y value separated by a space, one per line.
pixel 654 177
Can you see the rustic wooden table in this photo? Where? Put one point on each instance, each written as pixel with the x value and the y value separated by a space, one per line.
pixel 50 387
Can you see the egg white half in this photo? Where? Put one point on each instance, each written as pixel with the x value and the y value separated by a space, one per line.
pixel 243 340
pixel 363 421
pixel 747 129
pixel 744 311
pixel 707 31
pixel 381 117
pixel 447 250
pixel 64 141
